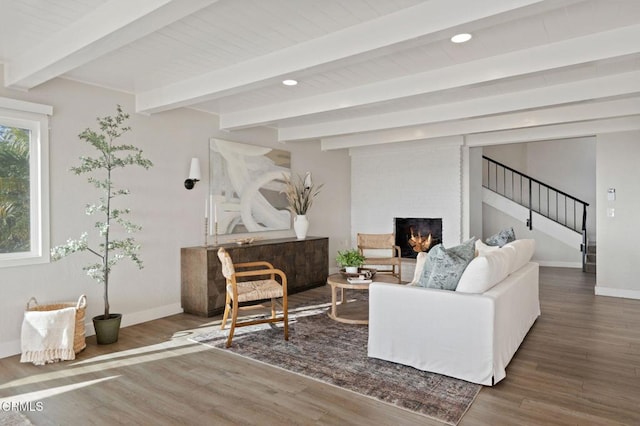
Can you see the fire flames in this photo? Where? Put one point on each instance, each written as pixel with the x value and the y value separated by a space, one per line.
pixel 419 243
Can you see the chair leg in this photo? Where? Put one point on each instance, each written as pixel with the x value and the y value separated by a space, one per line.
pixel 285 314
pixel 234 318
pixel 225 316
pixel 273 307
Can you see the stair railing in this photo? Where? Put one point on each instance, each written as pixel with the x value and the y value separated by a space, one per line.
pixel 536 196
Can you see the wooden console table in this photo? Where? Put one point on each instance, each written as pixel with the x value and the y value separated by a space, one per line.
pixel 305 262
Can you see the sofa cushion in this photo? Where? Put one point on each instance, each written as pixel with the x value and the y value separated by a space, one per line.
pixel 445 266
pixel 523 252
pixel 487 270
pixel 501 238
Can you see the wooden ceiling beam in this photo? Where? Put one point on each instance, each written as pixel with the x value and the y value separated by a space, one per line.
pixel 577 91
pixel 557 131
pixel 590 48
pixel 518 120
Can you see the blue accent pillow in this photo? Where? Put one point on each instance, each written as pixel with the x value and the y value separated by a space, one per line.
pixel 501 238
pixel 444 267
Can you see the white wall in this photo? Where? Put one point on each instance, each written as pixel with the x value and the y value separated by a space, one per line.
pixel 473 203
pixel 618 248
pixel 513 155
pixel 416 179
pixel 569 165
pixel 171 216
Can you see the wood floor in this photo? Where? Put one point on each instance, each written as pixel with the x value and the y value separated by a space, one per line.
pixel 579 365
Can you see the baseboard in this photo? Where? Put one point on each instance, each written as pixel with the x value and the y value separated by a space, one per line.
pixel 13 348
pixel 554 264
pixel 617 292
pixel 142 316
pixel 10 348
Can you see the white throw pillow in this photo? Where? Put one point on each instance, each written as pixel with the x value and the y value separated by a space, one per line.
pixel 485 271
pixel 482 248
pixel 421 259
pixel 523 250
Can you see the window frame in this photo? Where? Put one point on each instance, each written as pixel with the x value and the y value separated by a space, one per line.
pixel 35 118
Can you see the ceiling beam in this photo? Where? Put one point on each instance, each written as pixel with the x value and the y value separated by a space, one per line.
pixel 402 26
pixel 579 50
pixel 111 26
pixel 556 131
pixel 583 90
pixel 28 107
pixel 517 120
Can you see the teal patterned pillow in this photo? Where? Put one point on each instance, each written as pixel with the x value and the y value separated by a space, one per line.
pixel 426 270
pixel 444 267
pixel 466 250
pixel 501 238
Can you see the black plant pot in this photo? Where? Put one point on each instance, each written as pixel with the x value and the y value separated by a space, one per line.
pixel 107 329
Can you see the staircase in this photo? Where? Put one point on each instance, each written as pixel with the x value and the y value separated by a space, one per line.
pixel 590 262
pixel 544 200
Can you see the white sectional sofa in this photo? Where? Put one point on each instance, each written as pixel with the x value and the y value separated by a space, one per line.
pixel 471 333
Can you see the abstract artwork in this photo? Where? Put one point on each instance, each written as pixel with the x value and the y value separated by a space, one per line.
pixel 246 187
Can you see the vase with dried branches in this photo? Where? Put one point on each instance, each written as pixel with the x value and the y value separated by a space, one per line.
pixel 300 192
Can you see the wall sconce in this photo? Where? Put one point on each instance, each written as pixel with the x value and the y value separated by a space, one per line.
pixel 194 174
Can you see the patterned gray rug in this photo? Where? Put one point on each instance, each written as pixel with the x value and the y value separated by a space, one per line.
pixel 336 353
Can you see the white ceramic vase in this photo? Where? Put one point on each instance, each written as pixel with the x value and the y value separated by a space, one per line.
pixel 301 225
pixel 351 269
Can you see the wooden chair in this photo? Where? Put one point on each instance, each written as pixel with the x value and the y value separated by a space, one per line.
pixel 249 291
pixel 381 243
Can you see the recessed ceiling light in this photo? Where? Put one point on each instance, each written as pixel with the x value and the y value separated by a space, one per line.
pixel 289 82
pixel 461 38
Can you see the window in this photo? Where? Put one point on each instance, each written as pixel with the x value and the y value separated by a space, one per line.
pixel 24 194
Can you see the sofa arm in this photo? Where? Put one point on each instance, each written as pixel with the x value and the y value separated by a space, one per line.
pixel 432 330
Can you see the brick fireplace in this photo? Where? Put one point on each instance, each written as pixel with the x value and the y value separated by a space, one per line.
pixel 414 234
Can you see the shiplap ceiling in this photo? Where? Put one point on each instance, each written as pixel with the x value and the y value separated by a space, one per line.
pixel 369 71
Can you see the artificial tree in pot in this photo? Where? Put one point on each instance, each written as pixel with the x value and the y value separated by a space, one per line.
pixel 110 249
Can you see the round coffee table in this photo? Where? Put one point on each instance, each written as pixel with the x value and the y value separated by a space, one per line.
pixel 355 312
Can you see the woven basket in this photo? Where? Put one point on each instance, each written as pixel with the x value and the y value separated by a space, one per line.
pixel 79 335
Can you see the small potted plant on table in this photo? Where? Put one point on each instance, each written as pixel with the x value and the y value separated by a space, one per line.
pixel 350 259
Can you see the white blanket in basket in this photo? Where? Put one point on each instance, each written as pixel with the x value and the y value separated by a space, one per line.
pixel 47 336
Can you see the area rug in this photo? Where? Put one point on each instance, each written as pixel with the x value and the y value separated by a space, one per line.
pixel 336 353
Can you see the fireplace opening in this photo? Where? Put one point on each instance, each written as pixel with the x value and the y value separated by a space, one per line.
pixel 415 235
